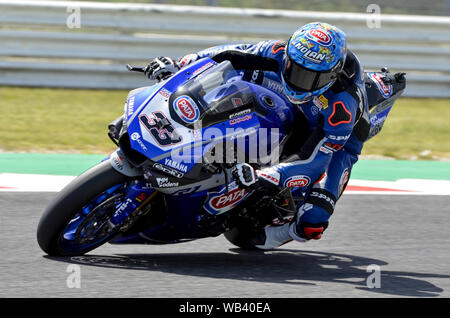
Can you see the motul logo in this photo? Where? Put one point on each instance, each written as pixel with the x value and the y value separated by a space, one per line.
pixel 320 37
pixel 228 199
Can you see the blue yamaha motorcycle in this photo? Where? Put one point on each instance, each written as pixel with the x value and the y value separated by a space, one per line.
pixel 169 180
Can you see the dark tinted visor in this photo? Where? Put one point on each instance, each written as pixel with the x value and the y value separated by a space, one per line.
pixel 301 79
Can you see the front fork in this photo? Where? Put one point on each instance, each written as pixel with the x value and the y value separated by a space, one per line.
pixel 135 204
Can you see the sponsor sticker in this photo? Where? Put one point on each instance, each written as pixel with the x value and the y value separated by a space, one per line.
pixel 344 179
pixel 186 191
pixel 320 37
pixel 324 101
pixel 117 161
pixel 165 93
pixel 325 150
pixel 385 89
pixel 166 183
pixel 312 56
pixel 332 147
pixel 338 138
pixel 240 119
pixel 269 175
pixel 122 207
pixel 137 137
pixel 255 75
pixel 130 106
pixel 323 196
pixel 297 181
pixel 188 59
pixel 321 102
pixel 176 165
pixel 202 69
pixel 223 201
pixel 141 197
pixel 237 102
pixel 186 109
pixel 167 170
pixel 240 113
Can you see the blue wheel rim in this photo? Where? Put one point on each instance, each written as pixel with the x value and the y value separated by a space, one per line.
pixel 84 230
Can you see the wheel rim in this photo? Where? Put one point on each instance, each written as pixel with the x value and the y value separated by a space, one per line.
pixel 89 227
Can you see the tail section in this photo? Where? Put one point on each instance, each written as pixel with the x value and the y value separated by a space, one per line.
pixel 383 89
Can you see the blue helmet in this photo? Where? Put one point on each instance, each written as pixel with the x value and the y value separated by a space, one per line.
pixel 315 55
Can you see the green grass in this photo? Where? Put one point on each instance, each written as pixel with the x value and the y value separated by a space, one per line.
pixel 58 120
pixel 413 128
pixel 75 121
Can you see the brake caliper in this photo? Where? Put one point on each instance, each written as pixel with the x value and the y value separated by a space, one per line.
pixel 134 205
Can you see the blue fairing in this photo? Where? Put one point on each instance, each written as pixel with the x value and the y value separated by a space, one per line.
pixel 182 102
pixel 151 102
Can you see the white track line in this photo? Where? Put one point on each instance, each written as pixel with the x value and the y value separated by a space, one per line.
pixel 15 182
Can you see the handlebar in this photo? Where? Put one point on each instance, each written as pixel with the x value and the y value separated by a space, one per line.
pixel 135 68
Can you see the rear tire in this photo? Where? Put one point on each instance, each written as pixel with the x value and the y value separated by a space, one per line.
pixel 242 237
pixel 69 202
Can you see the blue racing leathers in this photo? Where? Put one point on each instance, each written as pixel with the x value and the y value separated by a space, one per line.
pixel 337 122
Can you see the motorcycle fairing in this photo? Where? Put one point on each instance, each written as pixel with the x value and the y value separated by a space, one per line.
pixel 187 197
pixel 156 132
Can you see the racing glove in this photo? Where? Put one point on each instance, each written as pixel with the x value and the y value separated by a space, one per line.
pixel 247 177
pixel 161 68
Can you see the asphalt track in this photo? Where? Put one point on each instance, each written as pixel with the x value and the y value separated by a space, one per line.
pixel 406 236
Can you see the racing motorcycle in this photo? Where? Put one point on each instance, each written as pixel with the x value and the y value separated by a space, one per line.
pixel 170 179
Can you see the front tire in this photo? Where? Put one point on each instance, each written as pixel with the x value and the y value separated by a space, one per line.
pixel 69 203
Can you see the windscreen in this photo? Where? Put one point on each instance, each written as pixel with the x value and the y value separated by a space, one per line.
pixel 218 90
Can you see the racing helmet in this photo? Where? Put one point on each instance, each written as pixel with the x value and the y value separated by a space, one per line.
pixel 315 55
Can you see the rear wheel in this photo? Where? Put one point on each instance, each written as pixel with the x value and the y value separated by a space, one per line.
pixel 76 221
pixel 243 237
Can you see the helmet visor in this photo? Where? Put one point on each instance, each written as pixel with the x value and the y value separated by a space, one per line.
pixel 304 80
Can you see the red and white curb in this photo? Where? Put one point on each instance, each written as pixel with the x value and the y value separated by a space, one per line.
pixel 399 187
pixel 15 182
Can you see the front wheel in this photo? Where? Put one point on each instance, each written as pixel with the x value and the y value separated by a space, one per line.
pixel 76 221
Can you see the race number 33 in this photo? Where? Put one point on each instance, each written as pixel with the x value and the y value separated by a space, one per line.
pixel 160 128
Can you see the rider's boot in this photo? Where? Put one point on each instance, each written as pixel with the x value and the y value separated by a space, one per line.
pixel 273 236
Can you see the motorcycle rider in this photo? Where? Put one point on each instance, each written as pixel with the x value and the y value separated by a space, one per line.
pixel 314 71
